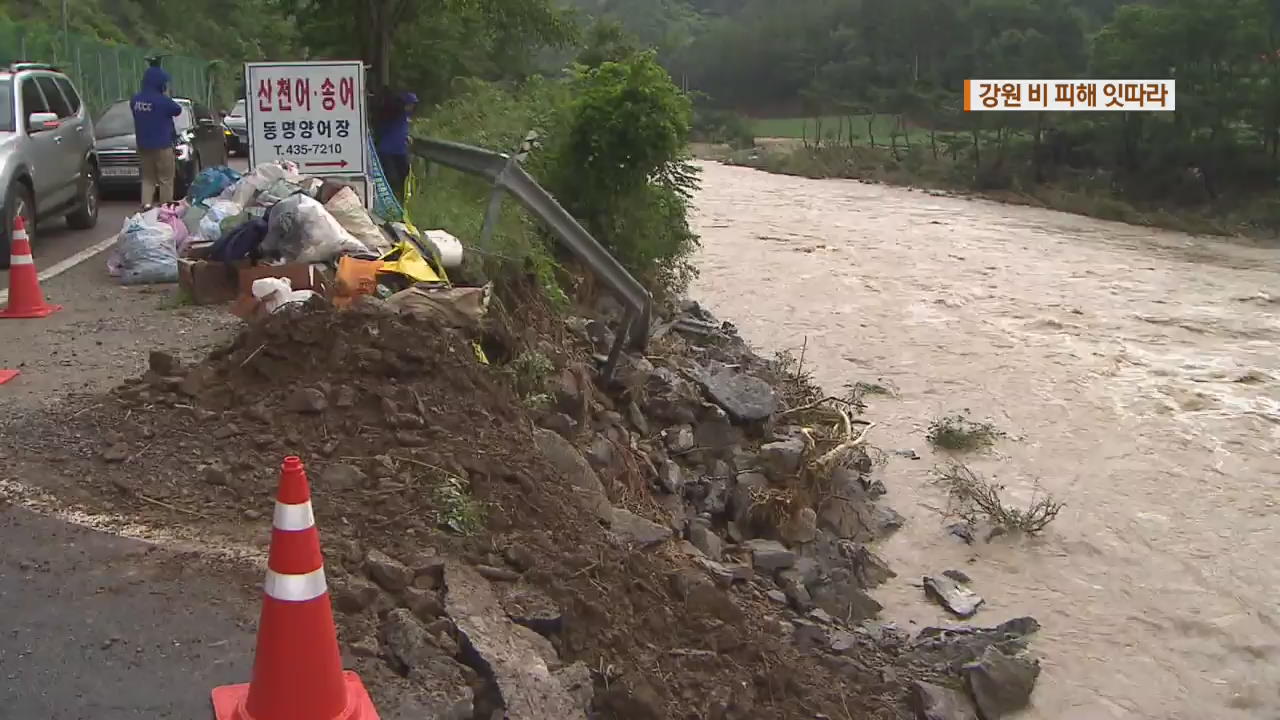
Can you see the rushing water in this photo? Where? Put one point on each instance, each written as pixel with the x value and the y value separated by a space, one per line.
pixel 1137 373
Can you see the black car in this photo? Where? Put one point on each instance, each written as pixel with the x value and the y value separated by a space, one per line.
pixel 202 143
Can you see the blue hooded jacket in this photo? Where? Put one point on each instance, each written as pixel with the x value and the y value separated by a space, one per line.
pixel 153 112
pixel 393 136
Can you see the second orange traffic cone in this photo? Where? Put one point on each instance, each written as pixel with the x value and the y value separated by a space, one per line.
pixel 297 670
pixel 25 298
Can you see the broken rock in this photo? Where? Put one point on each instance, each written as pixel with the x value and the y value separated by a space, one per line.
pixel 1001 684
pixel 575 468
pixel 782 458
pixel 631 529
pixel 307 400
pixel 533 609
pixel 745 398
pixel 388 572
pixel 511 655
pixel 934 702
pixel 679 439
pixel 706 540
pixel 770 555
pixel 960 600
pixel 341 477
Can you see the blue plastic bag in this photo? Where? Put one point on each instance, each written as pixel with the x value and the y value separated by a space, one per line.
pixel 211 182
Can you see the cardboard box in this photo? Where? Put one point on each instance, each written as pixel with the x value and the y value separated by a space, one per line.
pixel 211 283
pixel 208 283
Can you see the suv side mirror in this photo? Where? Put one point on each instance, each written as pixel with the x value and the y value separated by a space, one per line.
pixel 41 121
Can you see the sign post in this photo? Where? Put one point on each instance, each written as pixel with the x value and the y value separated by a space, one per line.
pixel 308 113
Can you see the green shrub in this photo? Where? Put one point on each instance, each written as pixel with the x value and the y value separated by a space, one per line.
pixel 612 142
pixel 622 168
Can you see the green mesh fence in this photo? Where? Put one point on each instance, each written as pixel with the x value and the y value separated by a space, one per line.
pixel 103 72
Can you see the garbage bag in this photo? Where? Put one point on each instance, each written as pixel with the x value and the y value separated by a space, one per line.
pixel 346 208
pixel 301 230
pixel 146 251
pixel 460 307
pixel 211 182
pixel 211 223
pixel 181 238
pixel 191 218
pixel 247 190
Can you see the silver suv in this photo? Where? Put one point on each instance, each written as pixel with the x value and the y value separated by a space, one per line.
pixel 48 166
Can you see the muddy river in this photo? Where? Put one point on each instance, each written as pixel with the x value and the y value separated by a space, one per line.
pixel 1137 373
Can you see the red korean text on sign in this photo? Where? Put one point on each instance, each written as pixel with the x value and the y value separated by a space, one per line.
pixel 284 94
pixel 327 91
pixel 264 95
pixel 347 92
pixel 302 94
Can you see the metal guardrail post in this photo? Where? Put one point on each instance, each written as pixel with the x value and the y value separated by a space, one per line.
pixel 505 174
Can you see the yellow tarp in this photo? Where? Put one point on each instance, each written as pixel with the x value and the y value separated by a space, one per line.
pixel 405 259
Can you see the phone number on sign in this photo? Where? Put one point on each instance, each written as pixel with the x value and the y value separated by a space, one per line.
pixel 314 149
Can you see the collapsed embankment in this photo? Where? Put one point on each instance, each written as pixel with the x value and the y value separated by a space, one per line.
pixel 690 540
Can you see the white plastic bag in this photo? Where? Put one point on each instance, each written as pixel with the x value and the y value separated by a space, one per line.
pixel 276 292
pixel 346 208
pixel 301 230
pixel 247 190
pixel 146 251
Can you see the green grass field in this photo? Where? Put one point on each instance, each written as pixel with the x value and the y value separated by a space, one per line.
pixel 807 128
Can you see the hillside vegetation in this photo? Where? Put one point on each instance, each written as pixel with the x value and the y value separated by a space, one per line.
pixel 1214 165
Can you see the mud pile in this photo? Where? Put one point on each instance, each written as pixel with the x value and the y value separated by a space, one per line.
pixel 688 541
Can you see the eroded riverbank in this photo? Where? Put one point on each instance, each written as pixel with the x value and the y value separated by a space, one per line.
pixel 1136 371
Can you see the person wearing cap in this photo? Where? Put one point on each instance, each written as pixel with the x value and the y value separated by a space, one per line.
pixel 393 142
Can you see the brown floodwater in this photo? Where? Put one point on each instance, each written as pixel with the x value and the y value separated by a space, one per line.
pixel 1136 372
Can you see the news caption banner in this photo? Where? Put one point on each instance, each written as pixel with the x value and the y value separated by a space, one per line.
pixel 309 113
pixel 1069 95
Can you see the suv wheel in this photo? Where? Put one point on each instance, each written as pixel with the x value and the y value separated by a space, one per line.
pixel 17 199
pixel 86 216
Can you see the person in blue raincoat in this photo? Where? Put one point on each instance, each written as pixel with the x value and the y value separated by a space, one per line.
pixel 393 141
pixel 153 114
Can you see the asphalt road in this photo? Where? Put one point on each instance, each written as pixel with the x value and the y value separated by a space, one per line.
pixel 56 242
pixel 97 626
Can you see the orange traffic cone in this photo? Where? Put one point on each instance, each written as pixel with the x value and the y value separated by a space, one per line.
pixel 7 375
pixel 25 298
pixel 297 670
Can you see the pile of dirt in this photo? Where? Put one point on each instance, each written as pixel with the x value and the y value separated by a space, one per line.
pixel 408 439
pixel 686 541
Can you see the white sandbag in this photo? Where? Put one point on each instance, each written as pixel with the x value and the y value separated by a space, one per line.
pixel 448 246
pixel 346 208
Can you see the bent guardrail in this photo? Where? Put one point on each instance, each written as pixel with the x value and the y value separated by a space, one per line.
pixel 505 173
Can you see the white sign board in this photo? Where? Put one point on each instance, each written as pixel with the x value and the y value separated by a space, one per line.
pixel 310 113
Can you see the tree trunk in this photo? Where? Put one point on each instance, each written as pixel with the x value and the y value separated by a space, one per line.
pixel 817 132
pixel 850 126
pixel 933 142
pixel 871 133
